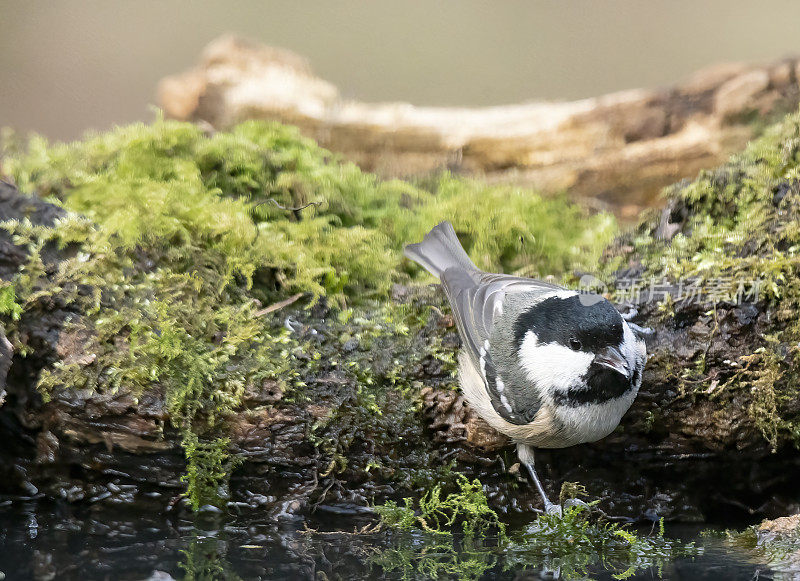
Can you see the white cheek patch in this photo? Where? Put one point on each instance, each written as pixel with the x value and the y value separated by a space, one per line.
pixel 551 365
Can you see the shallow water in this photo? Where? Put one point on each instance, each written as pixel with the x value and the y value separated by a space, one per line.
pixel 45 540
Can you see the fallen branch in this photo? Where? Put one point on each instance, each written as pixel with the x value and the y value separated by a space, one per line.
pixel 279 305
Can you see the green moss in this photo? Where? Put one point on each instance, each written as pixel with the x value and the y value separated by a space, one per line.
pixel 232 194
pixel 740 240
pixel 436 514
pixel 779 549
pixel 366 376
pixel 8 303
pixel 208 467
pixel 578 543
pixel 174 239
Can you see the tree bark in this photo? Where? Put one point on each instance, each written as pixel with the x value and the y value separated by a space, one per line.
pixel 689 457
pixel 616 150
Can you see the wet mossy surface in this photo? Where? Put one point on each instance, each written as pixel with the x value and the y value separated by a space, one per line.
pixel 726 248
pixel 167 253
pixel 127 543
pixel 228 316
pixel 459 536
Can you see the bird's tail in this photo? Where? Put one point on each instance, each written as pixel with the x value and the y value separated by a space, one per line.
pixel 439 250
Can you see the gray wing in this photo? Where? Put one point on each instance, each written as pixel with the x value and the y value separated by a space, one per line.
pixel 477 301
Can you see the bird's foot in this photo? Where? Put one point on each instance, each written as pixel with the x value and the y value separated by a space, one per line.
pixel 552 508
pixel 558 509
pixel 570 502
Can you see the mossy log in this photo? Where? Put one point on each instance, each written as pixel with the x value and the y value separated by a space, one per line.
pixel 618 149
pixel 348 406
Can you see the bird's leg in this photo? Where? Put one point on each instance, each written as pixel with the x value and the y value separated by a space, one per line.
pixel 525 454
pixel 548 506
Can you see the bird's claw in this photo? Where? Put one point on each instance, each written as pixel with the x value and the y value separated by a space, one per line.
pixel 570 502
pixel 551 508
pixel 558 509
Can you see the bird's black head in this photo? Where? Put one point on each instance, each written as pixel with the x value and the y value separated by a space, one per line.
pixel 587 323
pixel 579 348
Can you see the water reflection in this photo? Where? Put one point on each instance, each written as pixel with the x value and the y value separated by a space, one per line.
pixel 43 540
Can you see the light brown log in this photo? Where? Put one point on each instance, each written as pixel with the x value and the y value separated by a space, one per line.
pixel 619 149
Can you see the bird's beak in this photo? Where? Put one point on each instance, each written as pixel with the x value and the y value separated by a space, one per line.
pixel 612 358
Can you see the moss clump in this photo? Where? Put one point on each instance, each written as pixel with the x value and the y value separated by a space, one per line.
pixel 9 306
pixel 733 236
pixel 578 543
pixel 175 239
pixel 208 466
pixel 238 194
pixel 436 514
pixel 773 542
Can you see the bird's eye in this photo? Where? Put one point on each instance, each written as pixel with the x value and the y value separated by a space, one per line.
pixel 574 344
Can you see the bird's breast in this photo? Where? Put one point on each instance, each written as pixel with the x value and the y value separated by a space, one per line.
pixel 590 422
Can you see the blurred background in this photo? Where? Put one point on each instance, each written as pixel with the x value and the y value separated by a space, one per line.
pixel 70 66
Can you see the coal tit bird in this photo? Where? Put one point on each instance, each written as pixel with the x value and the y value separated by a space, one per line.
pixel 547 366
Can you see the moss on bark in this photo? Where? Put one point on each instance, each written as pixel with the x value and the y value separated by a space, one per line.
pixel 144 305
pixel 173 243
pixel 726 249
